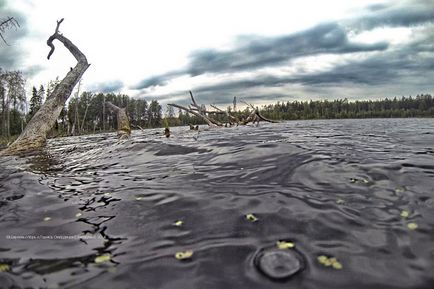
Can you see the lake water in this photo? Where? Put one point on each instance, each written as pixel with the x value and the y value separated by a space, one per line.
pixel 93 212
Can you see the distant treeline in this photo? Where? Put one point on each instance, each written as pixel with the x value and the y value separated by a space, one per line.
pixel 419 106
pixel 86 112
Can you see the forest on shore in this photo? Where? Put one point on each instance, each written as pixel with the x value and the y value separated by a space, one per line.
pixel 86 113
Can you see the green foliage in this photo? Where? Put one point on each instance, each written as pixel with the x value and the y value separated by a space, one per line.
pixel 13 100
pixel 87 111
pixel 35 101
pixel 419 106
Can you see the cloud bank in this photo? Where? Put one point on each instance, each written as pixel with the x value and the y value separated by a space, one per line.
pixel 408 64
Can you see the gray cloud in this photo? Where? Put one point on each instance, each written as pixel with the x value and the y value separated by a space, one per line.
pixel 33 70
pixel 159 80
pixel 106 87
pixel 330 38
pixel 412 65
pixel 405 14
pixel 265 52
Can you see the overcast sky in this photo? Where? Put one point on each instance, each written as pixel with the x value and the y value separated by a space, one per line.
pixel 261 51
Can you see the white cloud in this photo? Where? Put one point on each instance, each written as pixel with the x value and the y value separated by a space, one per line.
pixel 128 41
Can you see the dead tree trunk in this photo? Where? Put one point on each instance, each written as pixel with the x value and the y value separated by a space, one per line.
pixel 124 130
pixel 200 111
pixel 35 133
pixel 257 116
pixel 204 117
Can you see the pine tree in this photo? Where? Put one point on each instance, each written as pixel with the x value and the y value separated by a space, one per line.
pixel 35 103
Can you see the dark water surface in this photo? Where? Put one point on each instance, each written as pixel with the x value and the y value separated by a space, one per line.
pixel 346 189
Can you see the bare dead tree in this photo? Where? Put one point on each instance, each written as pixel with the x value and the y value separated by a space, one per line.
pixel 124 130
pixel 199 111
pixel 6 24
pixel 205 118
pixel 259 116
pixel 35 134
pixel 233 119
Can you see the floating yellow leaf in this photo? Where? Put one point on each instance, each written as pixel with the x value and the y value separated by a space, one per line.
pixel 103 258
pixel 405 213
pixel 178 223
pixel 340 201
pixel 412 226
pixel 107 194
pixel 284 245
pixel 326 261
pixel 47 219
pixel 138 198
pixel 337 265
pixel 78 215
pixel 184 255
pixel 251 218
pixel 322 259
pixel 399 190
pixel 332 260
pixel 4 267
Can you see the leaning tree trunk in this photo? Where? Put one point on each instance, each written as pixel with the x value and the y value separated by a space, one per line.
pixel 35 133
pixel 124 130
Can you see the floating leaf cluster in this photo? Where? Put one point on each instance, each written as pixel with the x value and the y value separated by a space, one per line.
pixel 359 181
pixel 282 245
pixel 329 262
pixel 103 258
pixel 4 267
pixel 178 223
pixel 405 214
pixel 412 226
pixel 184 255
pixel 340 201
pixel 251 218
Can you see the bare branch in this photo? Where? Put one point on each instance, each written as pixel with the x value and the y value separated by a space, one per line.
pixel 55 36
pixel 192 99
pixel 205 118
pixel 248 104
pixel 260 116
pixel 231 117
pixel 199 111
pixel 9 23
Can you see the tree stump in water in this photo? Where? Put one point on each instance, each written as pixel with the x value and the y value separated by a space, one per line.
pixel 124 130
pixel 35 134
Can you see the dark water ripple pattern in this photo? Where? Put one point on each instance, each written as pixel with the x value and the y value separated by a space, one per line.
pixel 334 188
